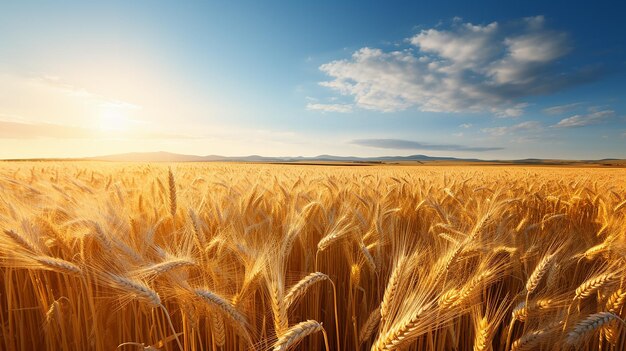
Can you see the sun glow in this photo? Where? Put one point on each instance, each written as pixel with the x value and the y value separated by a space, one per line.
pixel 113 118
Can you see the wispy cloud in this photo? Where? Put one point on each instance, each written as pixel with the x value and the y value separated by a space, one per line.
pixel 465 125
pixel 23 130
pixel 464 68
pixel 561 109
pixel 399 144
pixel 585 120
pixel 71 90
pixel 341 108
pixel 524 126
pixel 512 111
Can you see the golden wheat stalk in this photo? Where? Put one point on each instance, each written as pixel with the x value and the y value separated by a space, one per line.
pixel 58 265
pixel 401 333
pixel 239 321
pixel 20 240
pixel 470 288
pixel 592 285
pixel 136 288
pixel 540 270
pixel 482 338
pixel 217 328
pixel 587 326
pixel 522 311
pixel 172 191
pixel 616 301
pixel 296 333
pixel 392 287
pixel 529 341
pixel 164 267
pixel 300 288
pixel 368 327
pixel 448 299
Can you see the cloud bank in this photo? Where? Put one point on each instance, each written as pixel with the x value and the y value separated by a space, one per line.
pixel 399 144
pixel 463 69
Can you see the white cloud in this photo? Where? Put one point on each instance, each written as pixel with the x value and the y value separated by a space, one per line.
pixel 585 120
pixel 467 46
pixel 465 68
pixel 560 109
pixel 513 111
pixel 341 108
pixel 465 125
pixel 524 126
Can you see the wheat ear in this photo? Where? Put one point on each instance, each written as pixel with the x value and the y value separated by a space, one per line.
pixel 296 333
pixel 616 301
pixel 300 288
pixel 217 328
pixel 227 309
pixel 538 273
pixel 172 188
pixel 164 267
pixel 58 265
pixel 448 299
pixel 401 334
pixel 136 288
pixel 588 325
pixel 392 286
pixel 469 288
pixel 482 339
pixel 20 240
pixel 592 285
pixel 368 327
pixel 529 341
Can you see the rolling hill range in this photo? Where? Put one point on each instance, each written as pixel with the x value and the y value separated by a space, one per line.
pixel 163 156
pixel 412 159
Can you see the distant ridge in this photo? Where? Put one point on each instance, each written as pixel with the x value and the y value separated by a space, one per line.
pixel 163 156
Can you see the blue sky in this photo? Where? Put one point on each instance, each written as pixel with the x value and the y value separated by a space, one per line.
pixel 468 79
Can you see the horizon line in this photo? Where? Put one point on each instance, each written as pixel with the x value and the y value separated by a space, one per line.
pixel 319 157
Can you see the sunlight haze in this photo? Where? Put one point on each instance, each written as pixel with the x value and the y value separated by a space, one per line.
pixel 287 79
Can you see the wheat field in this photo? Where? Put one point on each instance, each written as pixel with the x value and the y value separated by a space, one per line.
pixel 195 256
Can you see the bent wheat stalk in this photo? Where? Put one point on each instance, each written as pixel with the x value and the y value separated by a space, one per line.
pixel 587 326
pixel 296 333
pixel 300 288
pixel 592 285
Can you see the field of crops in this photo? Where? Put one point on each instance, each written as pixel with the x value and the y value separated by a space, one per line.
pixel 194 256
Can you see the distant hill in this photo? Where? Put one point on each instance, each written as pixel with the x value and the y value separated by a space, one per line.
pixel 163 156
pixel 172 157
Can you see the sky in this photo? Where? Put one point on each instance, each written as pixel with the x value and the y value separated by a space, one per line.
pixel 484 79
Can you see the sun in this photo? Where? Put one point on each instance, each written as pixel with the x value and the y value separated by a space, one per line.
pixel 114 119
